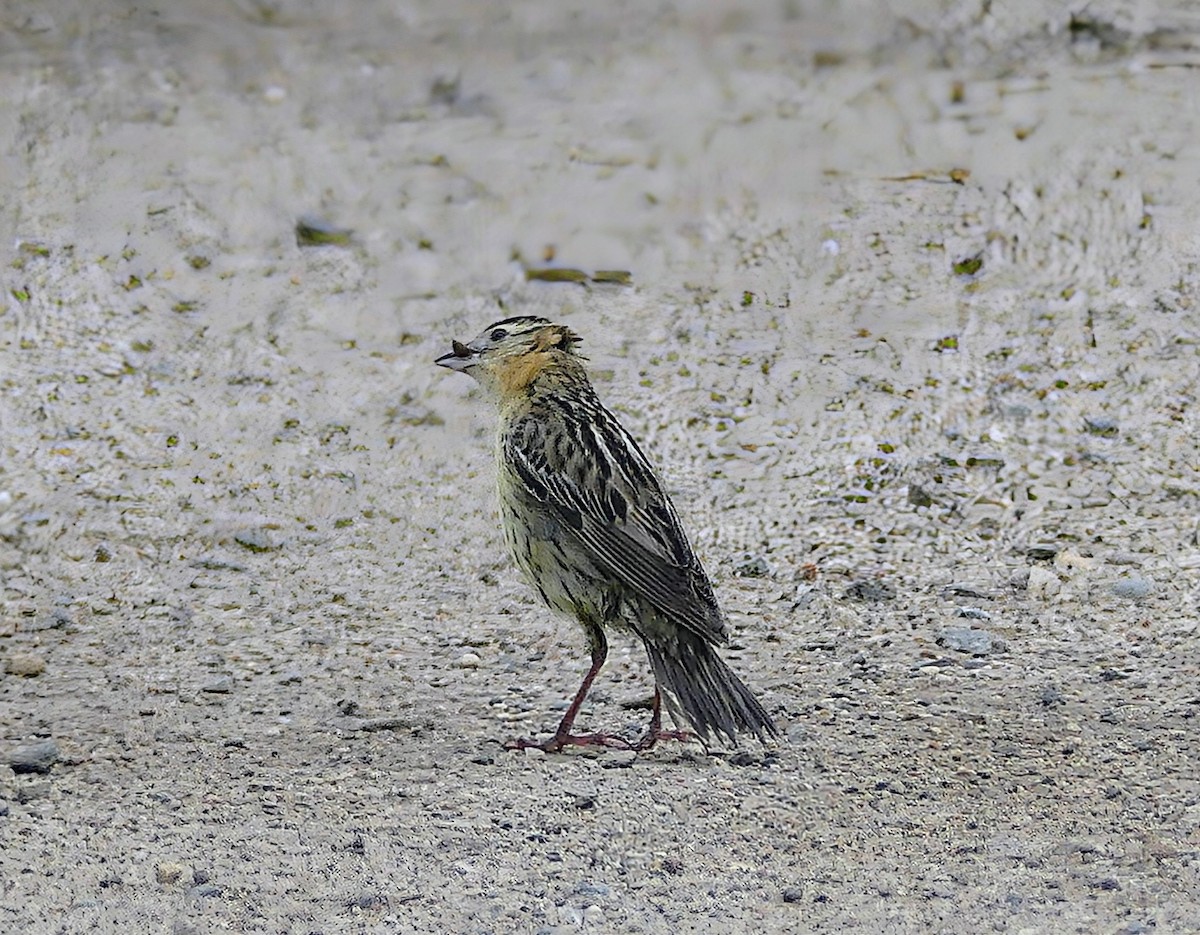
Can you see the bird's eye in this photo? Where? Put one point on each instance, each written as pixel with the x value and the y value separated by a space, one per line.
pixel 499 334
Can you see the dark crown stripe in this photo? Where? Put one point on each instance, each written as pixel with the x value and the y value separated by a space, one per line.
pixel 520 320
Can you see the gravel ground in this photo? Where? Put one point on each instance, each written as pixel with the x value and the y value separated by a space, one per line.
pixel 911 330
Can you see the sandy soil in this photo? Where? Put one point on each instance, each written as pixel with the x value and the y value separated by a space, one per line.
pixel 912 333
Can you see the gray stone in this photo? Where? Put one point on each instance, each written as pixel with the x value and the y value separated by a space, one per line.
pixel 967 640
pixel 32 791
pixel 170 872
pixel 753 567
pixel 1103 426
pixel 871 591
pixel 1133 588
pixel 34 758
pixel 618 759
pixel 1043 583
pixel 26 665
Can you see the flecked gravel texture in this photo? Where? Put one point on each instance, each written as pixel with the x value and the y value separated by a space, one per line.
pixel 912 333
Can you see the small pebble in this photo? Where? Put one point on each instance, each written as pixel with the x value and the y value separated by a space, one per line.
pixel 34 758
pixel 745 758
pixel 1043 583
pixel 26 665
pixel 619 759
pixel 870 591
pixel 965 590
pixel 1102 426
pixel 1133 588
pixel 966 640
pixel 918 496
pixel 1070 559
pixel 593 916
pixel 1050 696
pixel 169 872
pixel 369 900
pixel 793 894
pixel 804 596
pixel 31 792
pixel 219 686
pixel 394 722
pixel 468 661
pixel 57 619
pixel 753 567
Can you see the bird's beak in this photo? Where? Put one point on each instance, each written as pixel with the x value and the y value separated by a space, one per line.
pixel 460 358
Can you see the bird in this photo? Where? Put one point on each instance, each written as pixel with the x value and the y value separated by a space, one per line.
pixel 587 520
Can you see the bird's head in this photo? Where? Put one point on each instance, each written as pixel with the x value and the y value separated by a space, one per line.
pixel 509 354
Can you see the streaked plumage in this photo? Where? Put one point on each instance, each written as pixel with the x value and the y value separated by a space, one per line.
pixel 588 522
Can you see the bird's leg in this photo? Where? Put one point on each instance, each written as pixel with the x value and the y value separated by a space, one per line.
pixel 656 733
pixel 563 736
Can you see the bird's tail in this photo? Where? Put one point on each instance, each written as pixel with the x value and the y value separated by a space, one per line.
pixel 702 691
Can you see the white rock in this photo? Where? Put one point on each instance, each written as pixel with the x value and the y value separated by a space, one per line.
pixel 1043 583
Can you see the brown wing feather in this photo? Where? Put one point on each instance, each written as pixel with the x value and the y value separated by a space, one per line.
pixel 588 473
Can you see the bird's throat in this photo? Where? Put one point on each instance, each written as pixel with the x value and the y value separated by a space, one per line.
pixel 516 375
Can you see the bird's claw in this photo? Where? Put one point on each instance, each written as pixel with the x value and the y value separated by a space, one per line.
pixel 654 736
pixel 558 742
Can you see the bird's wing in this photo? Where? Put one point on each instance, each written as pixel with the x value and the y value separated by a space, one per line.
pixel 590 476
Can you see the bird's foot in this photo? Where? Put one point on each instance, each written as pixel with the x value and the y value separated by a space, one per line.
pixel 559 741
pixel 654 735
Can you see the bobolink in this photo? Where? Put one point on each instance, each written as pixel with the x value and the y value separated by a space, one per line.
pixel 589 523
